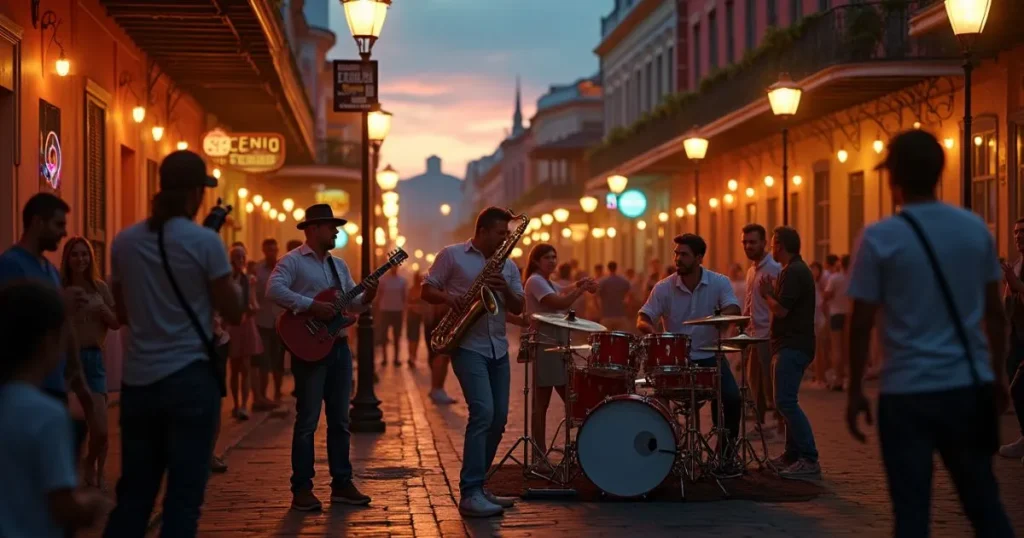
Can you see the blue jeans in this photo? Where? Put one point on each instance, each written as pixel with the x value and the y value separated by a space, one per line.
pixel 788 366
pixel 730 396
pixel 93 369
pixel 167 426
pixel 485 385
pixel 327 382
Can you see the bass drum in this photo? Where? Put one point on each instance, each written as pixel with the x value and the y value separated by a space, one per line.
pixel 627 445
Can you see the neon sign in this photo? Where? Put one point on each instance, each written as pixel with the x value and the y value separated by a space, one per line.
pixel 50 166
pixel 632 203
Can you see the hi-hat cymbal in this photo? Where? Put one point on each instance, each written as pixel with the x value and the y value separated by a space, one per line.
pixel 570 321
pixel 724 349
pixel 744 340
pixel 566 349
pixel 717 320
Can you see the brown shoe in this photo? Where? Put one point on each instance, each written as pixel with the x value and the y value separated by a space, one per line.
pixel 348 494
pixel 305 501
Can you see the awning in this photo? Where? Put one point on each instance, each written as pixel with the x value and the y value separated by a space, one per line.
pixel 232 57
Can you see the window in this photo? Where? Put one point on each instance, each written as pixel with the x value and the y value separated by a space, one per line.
pixel 984 164
pixel 773 13
pixel 856 207
pixel 660 89
pixel 670 66
pixel 796 10
pixel 751 212
pixel 641 93
pixel 712 40
pixel 822 214
pixel 750 25
pixel 773 215
pixel 731 238
pixel 696 54
pixel 730 32
pixel 794 209
pixel 95 203
pixel 651 90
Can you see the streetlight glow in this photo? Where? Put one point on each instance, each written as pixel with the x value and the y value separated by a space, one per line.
pixel 588 204
pixel 288 204
pixel 784 96
pixel 379 123
pixel 243 192
pixel 547 219
pixel 365 21
pixel 258 200
pixel 617 183
pixel 387 179
pixel 561 214
pixel 446 209
pixel 968 17
pixel 390 197
pixel 696 147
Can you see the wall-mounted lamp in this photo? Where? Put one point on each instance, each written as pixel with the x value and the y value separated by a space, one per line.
pixel 138 111
pixel 158 133
pixel 51 22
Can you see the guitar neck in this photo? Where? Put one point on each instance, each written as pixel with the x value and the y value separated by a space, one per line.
pixel 351 294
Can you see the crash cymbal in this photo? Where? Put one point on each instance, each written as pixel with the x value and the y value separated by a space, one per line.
pixel 570 321
pixel 723 349
pixel 717 320
pixel 744 340
pixel 565 349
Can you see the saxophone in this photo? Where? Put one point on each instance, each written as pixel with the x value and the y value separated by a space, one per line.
pixel 478 299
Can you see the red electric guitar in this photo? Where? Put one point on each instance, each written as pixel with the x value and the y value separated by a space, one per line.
pixel 310 339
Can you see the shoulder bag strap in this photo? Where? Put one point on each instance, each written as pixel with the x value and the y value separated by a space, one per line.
pixel 211 348
pixel 947 291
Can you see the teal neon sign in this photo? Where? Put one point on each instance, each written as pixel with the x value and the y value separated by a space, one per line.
pixel 632 203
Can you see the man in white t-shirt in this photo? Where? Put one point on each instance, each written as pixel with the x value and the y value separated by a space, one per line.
pixel 943 383
pixel 392 297
pixel 170 387
pixel 838 309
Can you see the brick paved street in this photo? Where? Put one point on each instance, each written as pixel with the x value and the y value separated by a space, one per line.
pixel 412 473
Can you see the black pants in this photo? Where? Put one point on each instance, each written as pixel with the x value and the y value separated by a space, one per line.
pixel 1017 378
pixel 912 427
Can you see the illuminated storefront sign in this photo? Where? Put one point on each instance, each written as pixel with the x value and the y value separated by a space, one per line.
pixel 632 203
pixel 611 201
pixel 50 157
pixel 337 199
pixel 249 152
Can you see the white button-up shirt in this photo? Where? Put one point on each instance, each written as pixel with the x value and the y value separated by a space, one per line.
pixel 754 305
pixel 673 303
pixel 300 275
pixel 454 271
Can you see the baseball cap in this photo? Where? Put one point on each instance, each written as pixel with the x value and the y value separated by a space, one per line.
pixel 914 150
pixel 184 170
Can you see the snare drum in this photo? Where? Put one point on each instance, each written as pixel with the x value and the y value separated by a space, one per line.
pixel 587 390
pixel 665 353
pixel 611 353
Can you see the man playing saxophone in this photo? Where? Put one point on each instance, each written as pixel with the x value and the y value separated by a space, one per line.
pixel 480 360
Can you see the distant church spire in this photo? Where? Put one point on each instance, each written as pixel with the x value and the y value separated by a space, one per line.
pixel 517 117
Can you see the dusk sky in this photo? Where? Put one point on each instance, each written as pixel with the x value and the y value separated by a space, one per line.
pixel 448 70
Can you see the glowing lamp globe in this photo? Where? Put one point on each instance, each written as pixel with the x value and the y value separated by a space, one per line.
pixel 365 20
pixel 351 228
pixel 696 147
pixel 560 214
pixel 784 96
pixel 387 179
pixel 182 145
pixel 588 204
pixel 968 17
pixel 62 65
pixel 611 232
pixel 216 173
pixel 733 185
pixel 691 209
pixel 242 192
pixel 390 197
pixel 641 225
pixel 299 214
pixel 750 192
pixel 662 217
pixel 273 213
pixel 713 202
pixel 379 123
pixel 258 199
pixel 139 114
pixel 547 219
pixel 390 210
pixel 446 209
pixel 617 183
pixel 566 233
pixel 769 181
pixel 288 204
pixel 281 217
pixel 158 132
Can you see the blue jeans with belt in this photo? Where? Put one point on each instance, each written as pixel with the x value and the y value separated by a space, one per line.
pixel 327 382
pixel 485 385
pixel 789 366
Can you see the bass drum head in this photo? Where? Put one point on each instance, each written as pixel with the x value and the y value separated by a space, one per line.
pixel 626 447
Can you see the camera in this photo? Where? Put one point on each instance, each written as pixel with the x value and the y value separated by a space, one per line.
pixel 219 214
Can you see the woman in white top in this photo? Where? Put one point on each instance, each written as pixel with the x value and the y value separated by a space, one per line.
pixel 542 296
pixel 822 345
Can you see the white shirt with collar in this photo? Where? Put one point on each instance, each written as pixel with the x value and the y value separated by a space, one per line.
pixel 454 271
pixel 754 305
pixel 299 276
pixel 673 303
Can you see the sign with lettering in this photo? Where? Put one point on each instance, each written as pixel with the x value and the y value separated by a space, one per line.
pixel 338 200
pixel 355 85
pixel 250 152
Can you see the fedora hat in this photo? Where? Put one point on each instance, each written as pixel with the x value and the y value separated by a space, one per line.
pixel 320 214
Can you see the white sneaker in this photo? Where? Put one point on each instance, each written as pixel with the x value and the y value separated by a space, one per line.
pixel 476 505
pixel 504 502
pixel 1014 449
pixel 439 396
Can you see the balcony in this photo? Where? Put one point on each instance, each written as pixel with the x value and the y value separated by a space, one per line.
pixel 856 52
pixel 342 154
pixel 558 194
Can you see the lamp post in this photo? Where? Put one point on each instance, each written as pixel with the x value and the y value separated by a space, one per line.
pixel 365 21
pixel 784 98
pixel 588 204
pixel 968 18
pixel 696 149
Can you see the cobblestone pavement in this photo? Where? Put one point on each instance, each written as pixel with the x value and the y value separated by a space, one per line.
pixel 412 471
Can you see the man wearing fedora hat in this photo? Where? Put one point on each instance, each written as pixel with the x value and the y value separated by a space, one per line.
pixel 299 276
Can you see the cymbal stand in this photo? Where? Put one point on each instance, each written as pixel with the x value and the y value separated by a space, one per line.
pixel 743 446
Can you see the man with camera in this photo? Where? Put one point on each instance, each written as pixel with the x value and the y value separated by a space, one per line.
pixel 169 276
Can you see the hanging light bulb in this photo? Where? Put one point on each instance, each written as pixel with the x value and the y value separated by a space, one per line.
pixel 750 192
pixel 527 240
pixel 63 65
pixel 561 214
pixel 400 241
pixel 249 207
pixel 547 219
pixel 769 181
pixel 139 114
pixel 446 209
pixel 797 180
pixel 182 145
pixel 713 202
pixel 243 193
pixel 288 204
pixel 566 233
pixel 691 209
pixel 598 233
pixel 216 173
pixel 258 199
pixel 299 214
pixel 158 132
pixel 351 228
pixel 641 225
pixel 680 212
pixel 390 197
pixel 610 232
pixel 662 217
pixel 273 213
pixel 728 198
pixel 430 258
pixel 281 217
pixel 878 146
pixel 733 185
pixel 545 236
pixel 949 142
pixel 842 155
pixel 265 206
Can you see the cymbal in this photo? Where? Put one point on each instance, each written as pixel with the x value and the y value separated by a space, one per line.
pixel 724 349
pixel 717 320
pixel 744 340
pixel 564 349
pixel 570 321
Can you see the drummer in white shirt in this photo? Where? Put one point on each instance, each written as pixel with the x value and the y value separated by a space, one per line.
pixel 694 292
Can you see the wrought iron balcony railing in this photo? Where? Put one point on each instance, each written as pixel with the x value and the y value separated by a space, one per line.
pixel 548 191
pixel 855 33
pixel 338 153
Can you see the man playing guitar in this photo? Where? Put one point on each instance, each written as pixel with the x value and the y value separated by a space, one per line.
pixel 298 277
pixel 692 293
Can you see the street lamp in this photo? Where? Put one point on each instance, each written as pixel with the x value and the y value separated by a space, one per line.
pixel 696 149
pixel 784 98
pixel 366 20
pixel 387 179
pixel 617 183
pixel 968 18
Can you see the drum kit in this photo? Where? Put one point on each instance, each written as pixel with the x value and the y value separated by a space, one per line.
pixel 634 404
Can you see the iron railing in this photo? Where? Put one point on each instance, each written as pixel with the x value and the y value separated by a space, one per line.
pixel 855 33
pixel 338 153
pixel 548 191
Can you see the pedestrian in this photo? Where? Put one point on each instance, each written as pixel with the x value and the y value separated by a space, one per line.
pixel 393 296
pixel 933 272
pixel 438 362
pixel 838 309
pixel 481 361
pixel 246 343
pixel 41 497
pixel 414 316
pixel 298 277
pixel 271 361
pixel 1014 299
pixel 169 276
pixel 763 267
pixel 91 323
pixel 612 297
pixel 822 345
pixel 790 298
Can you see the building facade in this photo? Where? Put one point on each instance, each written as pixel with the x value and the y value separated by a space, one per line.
pixel 423 224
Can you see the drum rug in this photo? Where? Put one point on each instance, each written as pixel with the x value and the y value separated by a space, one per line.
pixel 758 486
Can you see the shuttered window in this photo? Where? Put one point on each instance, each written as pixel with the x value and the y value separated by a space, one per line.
pixel 95 199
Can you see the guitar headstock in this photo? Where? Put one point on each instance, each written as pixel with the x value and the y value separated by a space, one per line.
pixel 397 256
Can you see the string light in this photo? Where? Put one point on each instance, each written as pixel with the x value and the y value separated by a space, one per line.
pixel 733 185
pixel 641 225
pixel 750 192
pixel 769 181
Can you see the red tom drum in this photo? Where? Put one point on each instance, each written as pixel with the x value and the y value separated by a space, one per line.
pixel 665 354
pixel 611 354
pixel 587 391
pixel 677 384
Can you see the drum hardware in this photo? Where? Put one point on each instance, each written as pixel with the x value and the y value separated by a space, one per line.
pixel 720 349
pixel 724 454
pixel 743 449
pixel 564 349
pixel 718 320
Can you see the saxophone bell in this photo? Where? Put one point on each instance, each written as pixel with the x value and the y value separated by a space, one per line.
pixel 489 301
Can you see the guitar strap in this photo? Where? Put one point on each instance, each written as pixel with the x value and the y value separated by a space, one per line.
pixel 334 271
